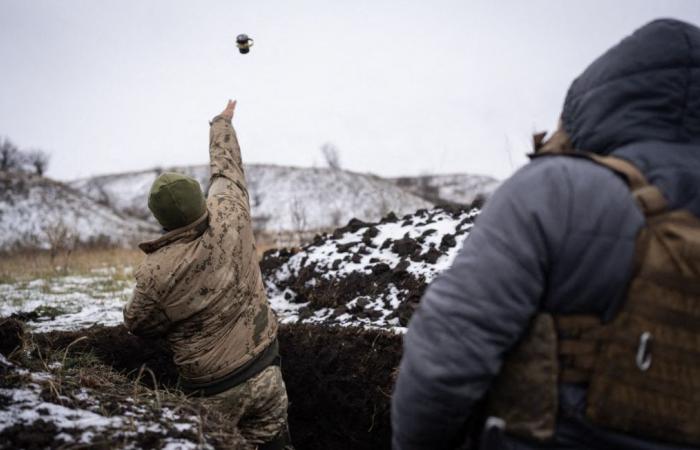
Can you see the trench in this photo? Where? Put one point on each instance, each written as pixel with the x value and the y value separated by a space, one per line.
pixel 339 380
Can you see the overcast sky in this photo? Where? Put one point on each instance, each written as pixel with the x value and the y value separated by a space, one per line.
pixel 399 87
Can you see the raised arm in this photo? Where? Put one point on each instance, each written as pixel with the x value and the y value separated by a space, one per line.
pixel 227 177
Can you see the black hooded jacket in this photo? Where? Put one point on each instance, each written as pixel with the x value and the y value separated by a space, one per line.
pixel 558 236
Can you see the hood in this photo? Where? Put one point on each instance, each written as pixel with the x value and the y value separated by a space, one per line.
pixel 646 88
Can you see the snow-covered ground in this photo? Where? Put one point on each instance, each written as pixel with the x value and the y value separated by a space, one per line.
pixel 69 302
pixel 46 408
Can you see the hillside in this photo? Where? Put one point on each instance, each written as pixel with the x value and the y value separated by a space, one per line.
pixel 459 189
pixel 112 208
pixel 36 211
pixel 282 198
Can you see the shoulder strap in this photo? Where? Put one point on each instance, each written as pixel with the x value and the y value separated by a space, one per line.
pixel 649 198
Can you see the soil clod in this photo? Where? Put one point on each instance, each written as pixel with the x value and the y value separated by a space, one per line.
pixel 11 334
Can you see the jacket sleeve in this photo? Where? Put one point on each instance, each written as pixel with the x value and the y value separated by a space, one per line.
pixel 144 317
pixel 227 176
pixel 477 309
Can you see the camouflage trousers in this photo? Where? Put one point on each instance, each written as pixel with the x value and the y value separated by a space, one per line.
pixel 256 407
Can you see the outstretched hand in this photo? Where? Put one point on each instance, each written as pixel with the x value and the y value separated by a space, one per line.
pixel 227 113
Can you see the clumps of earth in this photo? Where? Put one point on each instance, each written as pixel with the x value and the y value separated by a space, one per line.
pixel 94 388
pixel 366 274
pixel 57 394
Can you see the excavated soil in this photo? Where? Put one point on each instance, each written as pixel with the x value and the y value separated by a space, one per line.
pixel 367 273
pixel 57 401
pixel 11 332
pixel 38 435
pixel 339 380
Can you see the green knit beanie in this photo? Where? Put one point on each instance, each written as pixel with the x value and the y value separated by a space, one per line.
pixel 176 200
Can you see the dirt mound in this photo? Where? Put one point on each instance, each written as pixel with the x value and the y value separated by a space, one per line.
pixel 64 398
pixel 35 436
pixel 115 347
pixel 366 273
pixel 11 333
pixel 339 380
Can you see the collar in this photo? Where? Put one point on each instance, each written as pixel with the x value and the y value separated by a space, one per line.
pixel 189 232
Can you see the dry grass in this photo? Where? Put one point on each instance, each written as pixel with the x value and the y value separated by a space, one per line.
pixel 32 264
pixel 112 393
pixel 263 246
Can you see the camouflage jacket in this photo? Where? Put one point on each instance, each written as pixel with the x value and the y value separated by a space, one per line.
pixel 200 286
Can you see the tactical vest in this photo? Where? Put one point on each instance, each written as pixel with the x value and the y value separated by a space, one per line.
pixel 642 368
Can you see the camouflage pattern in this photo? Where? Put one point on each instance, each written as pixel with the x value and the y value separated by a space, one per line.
pixel 200 286
pixel 257 407
pixel 524 393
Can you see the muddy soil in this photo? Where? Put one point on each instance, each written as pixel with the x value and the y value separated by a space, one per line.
pixel 11 332
pixel 339 380
pixel 38 435
pixel 114 346
pixel 80 385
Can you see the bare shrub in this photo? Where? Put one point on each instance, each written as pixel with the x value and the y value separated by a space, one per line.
pixel 260 227
pixel 404 182
pixel 10 156
pixel 61 240
pixel 139 212
pixel 299 217
pixel 98 192
pixel 336 217
pixel 384 204
pixel 426 189
pixel 255 193
pixel 331 155
pixel 38 160
pixel 100 241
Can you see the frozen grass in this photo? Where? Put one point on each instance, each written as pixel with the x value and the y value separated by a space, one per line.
pixel 69 302
pixel 59 399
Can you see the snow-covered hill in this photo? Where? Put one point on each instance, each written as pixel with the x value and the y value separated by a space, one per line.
pixel 460 189
pixel 282 198
pixel 36 211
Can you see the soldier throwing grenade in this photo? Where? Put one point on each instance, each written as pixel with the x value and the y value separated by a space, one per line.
pixel 200 287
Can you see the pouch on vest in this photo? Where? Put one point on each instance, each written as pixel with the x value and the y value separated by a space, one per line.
pixel 643 367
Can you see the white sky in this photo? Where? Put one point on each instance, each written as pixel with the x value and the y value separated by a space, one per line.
pixel 399 87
